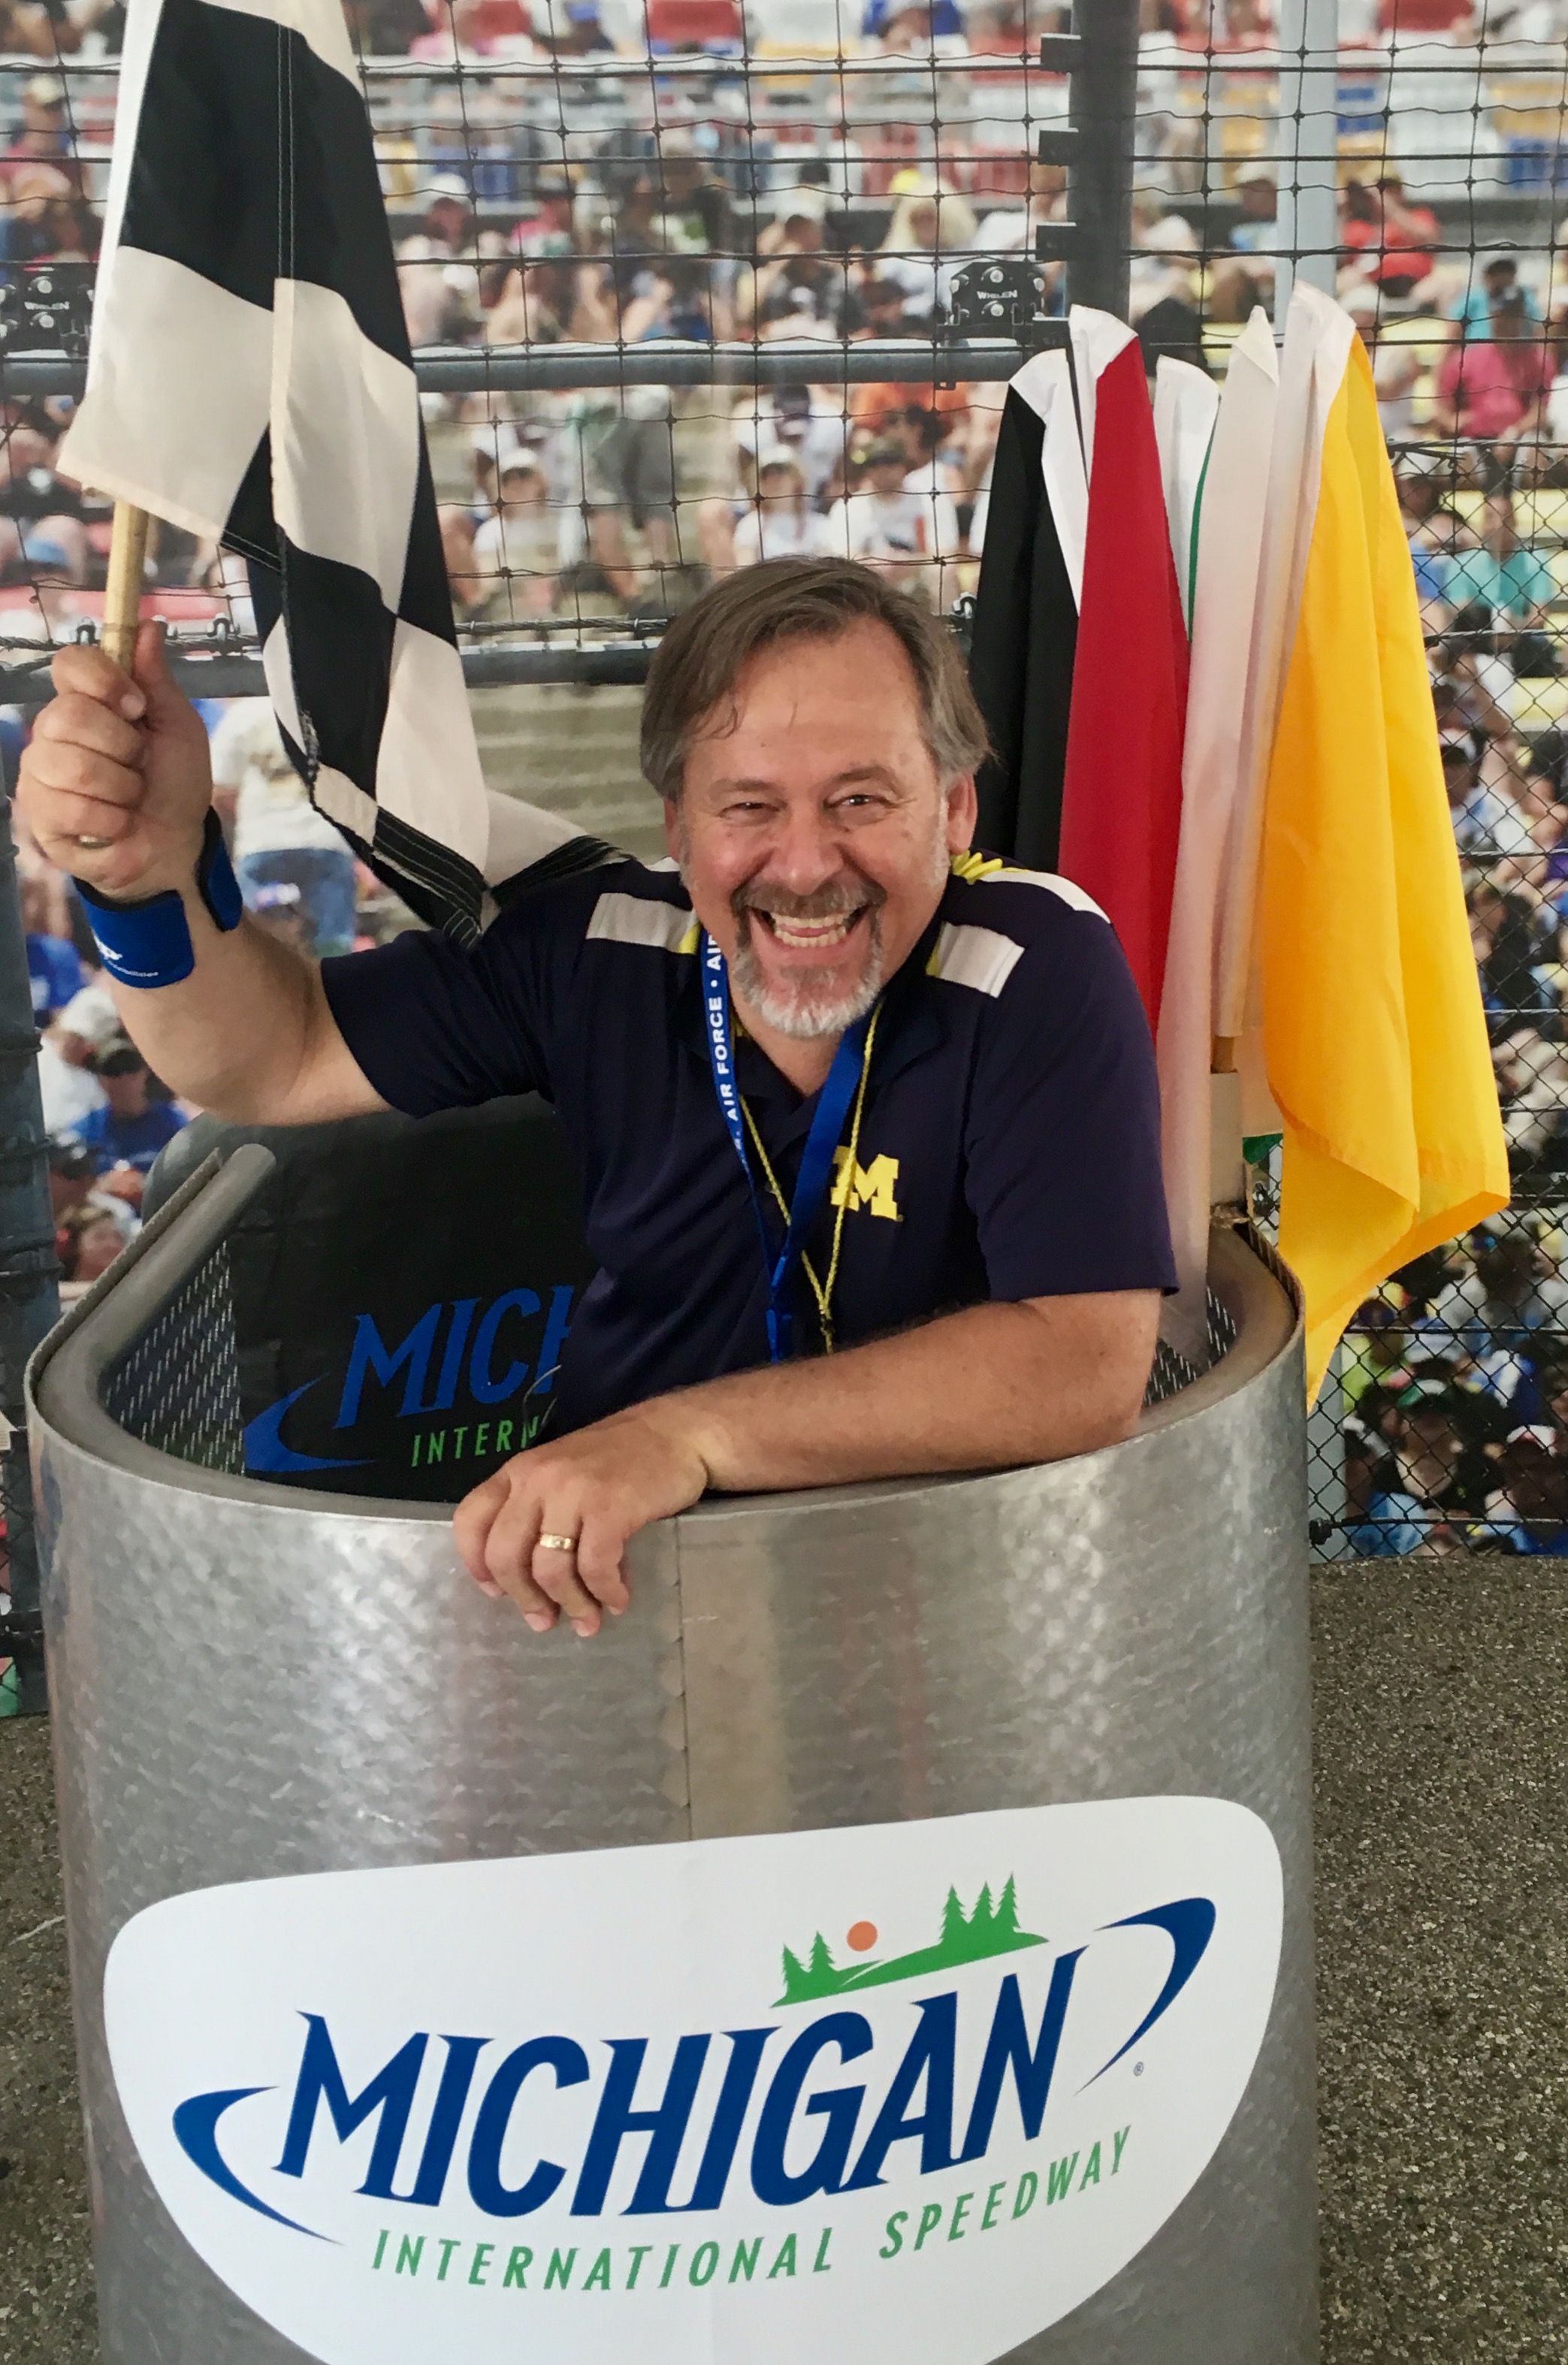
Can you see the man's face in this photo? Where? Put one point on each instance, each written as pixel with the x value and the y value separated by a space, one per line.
pixel 814 832
pixel 1429 1453
pixel 448 220
pixel 1259 201
pixel 127 1096
pixel 1459 773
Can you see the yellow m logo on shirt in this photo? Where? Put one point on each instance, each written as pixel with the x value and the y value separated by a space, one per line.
pixel 872 1186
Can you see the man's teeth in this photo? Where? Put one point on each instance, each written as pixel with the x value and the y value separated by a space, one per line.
pixel 812 935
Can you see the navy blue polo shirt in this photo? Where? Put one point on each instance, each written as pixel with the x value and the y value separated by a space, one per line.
pixel 1009 1145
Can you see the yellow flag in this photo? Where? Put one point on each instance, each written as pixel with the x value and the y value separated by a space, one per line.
pixel 1373 1031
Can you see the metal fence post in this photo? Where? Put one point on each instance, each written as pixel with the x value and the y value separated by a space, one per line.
pixel 29 1296
pixel 1103 107
pixel 1308 148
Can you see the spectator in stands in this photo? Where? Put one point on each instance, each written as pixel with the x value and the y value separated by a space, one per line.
pixel 1258 193
pixel 623 472
pixel 1377 1352
pixel 930 221
pixel 1481 817
pixel 791 264
pixel 674 299
pixel 516 553
pixel 1164 260
pixel 87 1241
pixel 1532 1084
pixel 1425 1489
pixel 1507 950
pixel 694 206
pixel 549 230
pixel 68 1087
pixel 438 267
pixel 42 522
pixel 1491 387
pixel 1512 584
pixel 279 839
pixel 904 535
pixel 125 1134
pixel 29 227
pixel 54 966
pixel 46 136
pixel 1492 277
pixel 932 438
pixel 1392 241
pixel 585 35
pixel 781 524
pixel 72 1174
pixel 791 416
pixel 1512 1292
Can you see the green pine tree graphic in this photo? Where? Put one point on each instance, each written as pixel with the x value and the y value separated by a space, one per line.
pixel 988 1929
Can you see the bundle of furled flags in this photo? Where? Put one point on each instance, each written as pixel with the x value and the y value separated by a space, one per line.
pixel 1198 649
pixel 250 380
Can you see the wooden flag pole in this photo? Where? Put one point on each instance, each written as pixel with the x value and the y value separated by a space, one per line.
pixel 122 593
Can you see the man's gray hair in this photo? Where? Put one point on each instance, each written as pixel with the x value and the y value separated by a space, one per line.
pixel 706 649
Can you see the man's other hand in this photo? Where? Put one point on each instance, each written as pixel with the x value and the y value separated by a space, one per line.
pixel 594 1489
pixel 123 759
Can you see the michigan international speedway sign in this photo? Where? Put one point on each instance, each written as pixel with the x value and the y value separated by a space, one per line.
pixel 895 2094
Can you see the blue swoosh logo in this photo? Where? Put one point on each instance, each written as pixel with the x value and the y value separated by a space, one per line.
pixel 264 1448
pixel 1189 1923
pixel 196 2130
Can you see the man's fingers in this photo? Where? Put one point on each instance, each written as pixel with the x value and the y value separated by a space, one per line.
pixel 601 1565
pixel 494 1561
pixel 471 1524
pixel 71 817
pixel 555 1573
pixel 88 723
pixel 60 766
pixel 93 672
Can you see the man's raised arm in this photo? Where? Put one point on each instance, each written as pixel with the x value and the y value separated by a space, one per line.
pixel 116 786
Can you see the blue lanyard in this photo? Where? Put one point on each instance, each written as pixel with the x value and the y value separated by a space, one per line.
pixel 816 1158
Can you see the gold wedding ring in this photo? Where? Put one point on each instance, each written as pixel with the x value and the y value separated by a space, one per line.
pixel 557 1543
pixel 94 844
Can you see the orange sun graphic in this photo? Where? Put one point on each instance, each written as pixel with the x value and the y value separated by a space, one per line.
pixel 862 1936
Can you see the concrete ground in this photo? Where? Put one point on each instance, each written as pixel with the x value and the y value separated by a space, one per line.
pixel 1443 1943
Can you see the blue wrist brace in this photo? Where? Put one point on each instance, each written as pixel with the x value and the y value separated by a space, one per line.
pixel 147 943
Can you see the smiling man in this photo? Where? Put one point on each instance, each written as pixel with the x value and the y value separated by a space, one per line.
pixel 868 1124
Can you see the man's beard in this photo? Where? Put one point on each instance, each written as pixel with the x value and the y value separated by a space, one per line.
pixel 809 1008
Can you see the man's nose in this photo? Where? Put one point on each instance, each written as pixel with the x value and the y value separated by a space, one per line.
pixel 805 853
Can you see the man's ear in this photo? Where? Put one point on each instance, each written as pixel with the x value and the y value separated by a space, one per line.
pixel 675 835
pixel 963 811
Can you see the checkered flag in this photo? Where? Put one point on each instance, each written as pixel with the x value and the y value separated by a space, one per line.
pixel 250 380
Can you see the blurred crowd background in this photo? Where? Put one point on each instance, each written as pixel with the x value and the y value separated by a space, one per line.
pixel 607 188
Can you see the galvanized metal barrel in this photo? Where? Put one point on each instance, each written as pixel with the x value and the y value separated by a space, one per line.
pixel 249 1683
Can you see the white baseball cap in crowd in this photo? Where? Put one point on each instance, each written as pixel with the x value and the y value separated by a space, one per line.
pixel 90 1013
pixel 1255 169
pixel 450 184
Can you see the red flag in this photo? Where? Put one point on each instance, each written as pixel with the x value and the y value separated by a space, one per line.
pixel 1122 794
